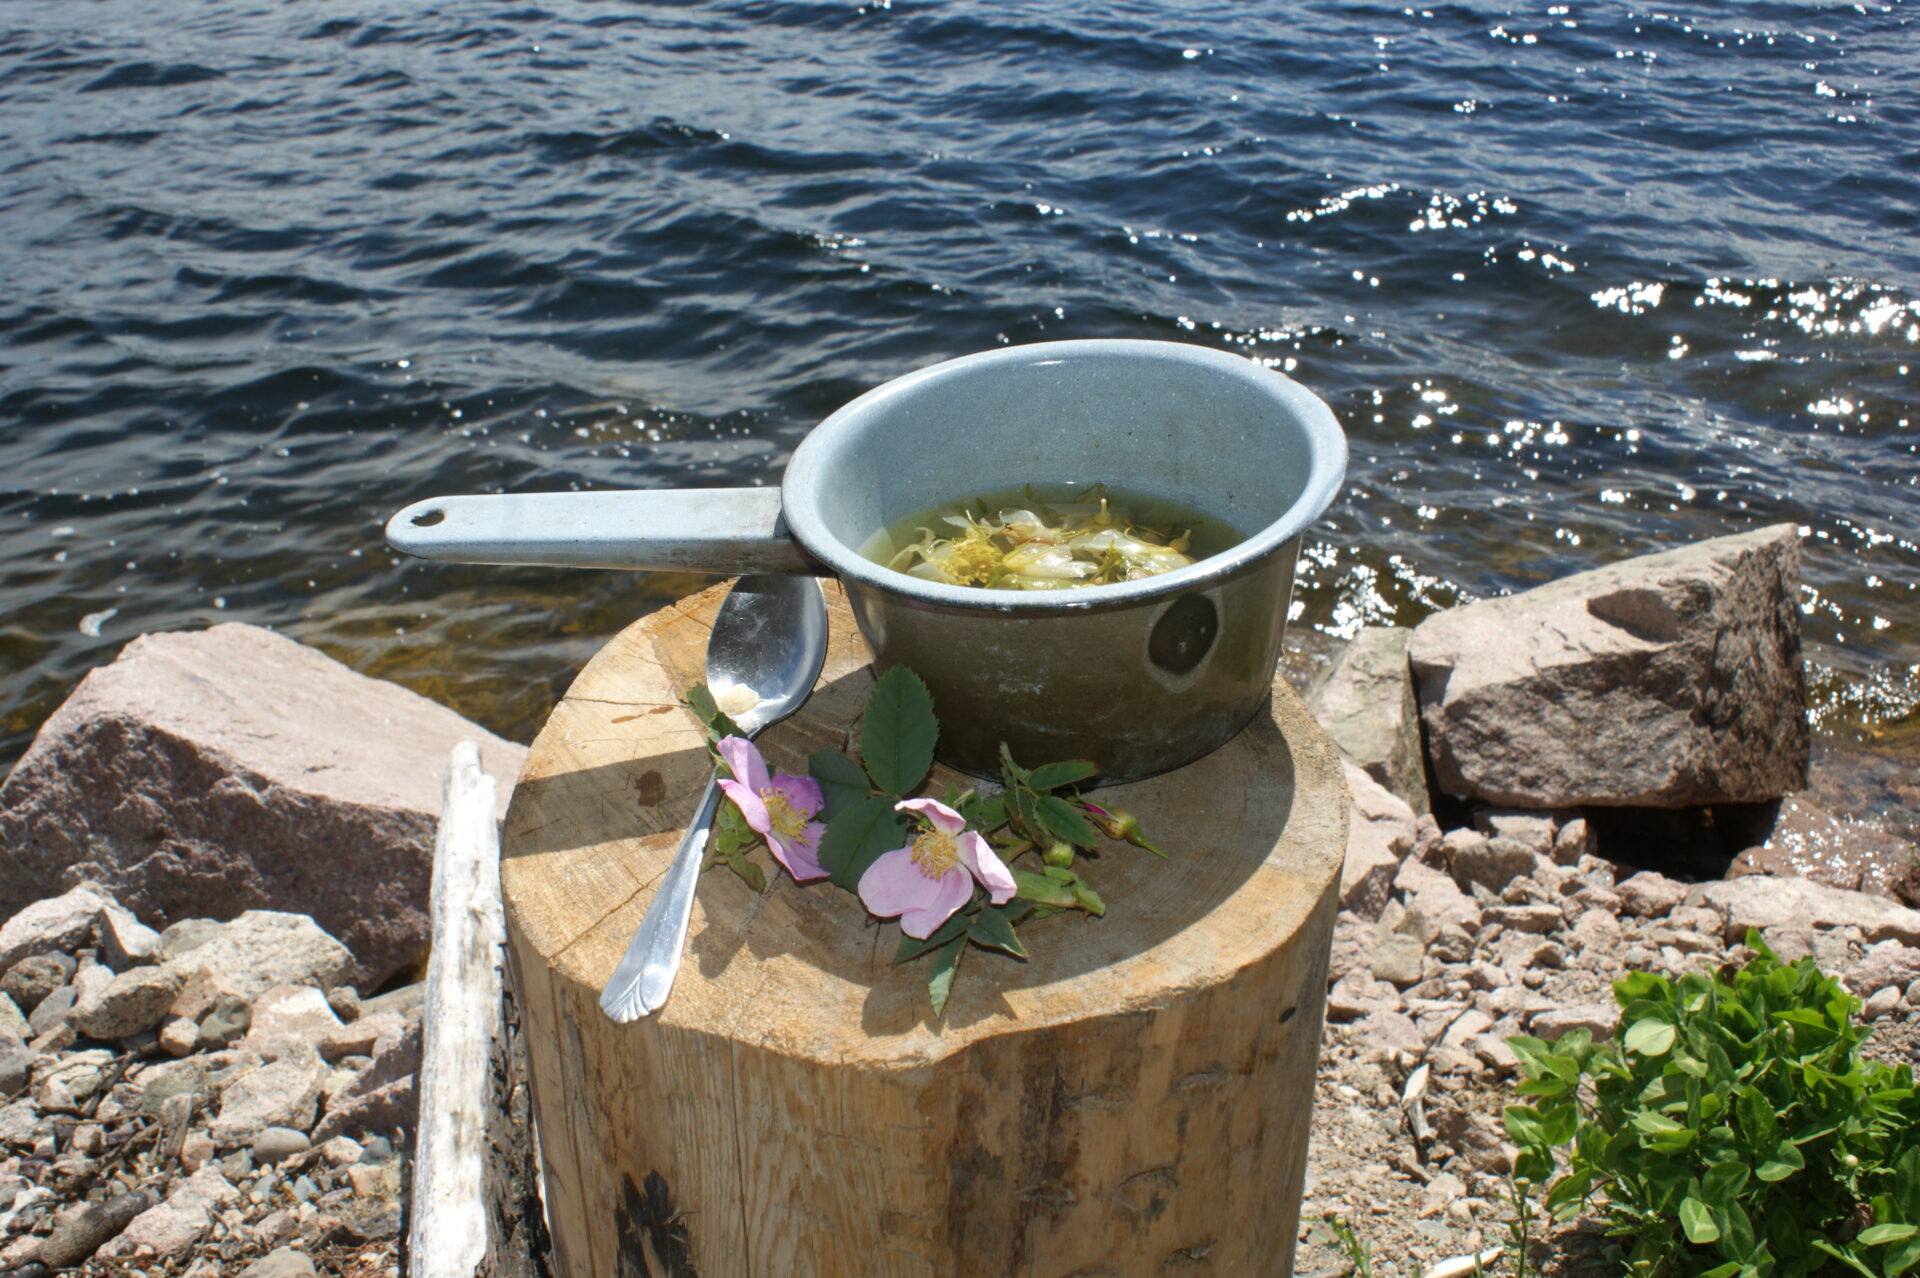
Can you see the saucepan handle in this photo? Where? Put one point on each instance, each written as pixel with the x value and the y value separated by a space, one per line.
pixel 725 531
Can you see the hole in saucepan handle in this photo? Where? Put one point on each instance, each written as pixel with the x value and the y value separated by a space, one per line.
pixel 428 518
pixel 1184 634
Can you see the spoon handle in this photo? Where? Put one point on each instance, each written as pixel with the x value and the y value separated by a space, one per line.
pixel 639 985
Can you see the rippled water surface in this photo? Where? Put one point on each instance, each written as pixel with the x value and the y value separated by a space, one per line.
pixel 1582 280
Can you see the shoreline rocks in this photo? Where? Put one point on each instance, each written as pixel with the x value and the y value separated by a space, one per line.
pixel 207 773
pixel 256 1136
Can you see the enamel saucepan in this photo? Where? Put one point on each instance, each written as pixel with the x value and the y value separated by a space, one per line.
pixel 1138 676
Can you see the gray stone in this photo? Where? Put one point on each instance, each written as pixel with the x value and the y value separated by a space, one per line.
pixel 407 1000
pixel 284 1262
pixel 1533 830
pixel 1596 931
pixel 291 1011
pixel 63 922
pixel 265 948
pixel 1881 1003
pixel 1662 681
pixel 13 1026
pixel 1493 863
pixel 283 1093
pixel 225 1022
pixel 1539 919
pixel 1436 898
pixel 1573 841
pixel 131 1003
pixel 1366 704
pixel 1383 1034
pixel 52 1010
pixel 1597 1019
pixel 187 934
pixel 124 940
pixel 1397 958
pixel 16 1070
pixel 345 1002
pixel 1650 894
pixel 210 772
pixel 363 1037
pixel 1380 834
pixel 276 1143
pixel 1761 901
pixel 174 1226
pixel 35 977
pixel 1891 964
pixel 381 1098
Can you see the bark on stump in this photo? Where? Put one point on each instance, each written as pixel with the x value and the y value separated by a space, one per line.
pixel 1132 1100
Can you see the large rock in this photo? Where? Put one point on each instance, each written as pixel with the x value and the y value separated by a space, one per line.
pixel 1807 841
pixel 1366 704
pixel 1662 681
pixel 1761 901
pixel 215 771
pixel 50 925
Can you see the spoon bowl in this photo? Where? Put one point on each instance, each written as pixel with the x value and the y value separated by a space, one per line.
pixel 768 645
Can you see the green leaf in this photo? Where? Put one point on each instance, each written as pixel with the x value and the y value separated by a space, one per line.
pixel 898 732
pixel 1064 821
pixel 1088 899
pixel 1650 1037
pixel 842 781
pixel 1011 772
pixel 858 837
pixel 1787 1159
pixel 1043 890
pixel 1846 1257
pixel 912 947
pixel 1696 1222
pixel 1051 776
pixel 1524 1126
pixel 983 813
pixel 1023 806
pixel 1901 1257
pixel 1885 1234
pixel 992 928
pixel 946 965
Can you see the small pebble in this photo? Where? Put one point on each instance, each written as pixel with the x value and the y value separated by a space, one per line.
pixel 276 1143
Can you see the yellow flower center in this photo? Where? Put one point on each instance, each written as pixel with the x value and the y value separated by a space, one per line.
pixel 935 852
pixel 786 823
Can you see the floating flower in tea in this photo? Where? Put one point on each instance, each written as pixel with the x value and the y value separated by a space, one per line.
pixel 1042 546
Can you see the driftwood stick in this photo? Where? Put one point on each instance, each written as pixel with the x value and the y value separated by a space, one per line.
pixel 461 1029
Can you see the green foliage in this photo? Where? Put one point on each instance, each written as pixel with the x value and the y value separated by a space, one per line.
pixel 898 732
pixel 1731 1130
pixel 1038 813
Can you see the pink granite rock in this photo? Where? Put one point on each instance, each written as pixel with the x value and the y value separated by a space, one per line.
pixel 1807 841
pixel 205 773
pixel 1366 704
pixel 1380 833
pixel 1662 681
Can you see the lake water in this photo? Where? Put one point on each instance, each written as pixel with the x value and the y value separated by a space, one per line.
pixel 1582 280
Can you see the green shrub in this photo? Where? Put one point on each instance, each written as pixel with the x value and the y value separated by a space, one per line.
pixel 1730 1129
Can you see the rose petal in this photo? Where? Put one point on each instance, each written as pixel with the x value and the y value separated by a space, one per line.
pixel 987 866
pixel 944 818
pixel 951 891
pixel 801 793
pixel 801 856
pixel 751 806
pixel 893 884
pixel 745 762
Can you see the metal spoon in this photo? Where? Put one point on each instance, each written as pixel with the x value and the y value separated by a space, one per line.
pixel 768 644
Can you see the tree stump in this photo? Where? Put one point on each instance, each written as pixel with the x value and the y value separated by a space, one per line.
pixel 1133 1100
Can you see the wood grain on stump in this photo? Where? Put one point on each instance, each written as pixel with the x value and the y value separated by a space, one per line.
pixel 1132 1100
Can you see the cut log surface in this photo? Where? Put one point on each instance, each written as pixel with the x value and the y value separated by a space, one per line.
pixel 1134 1098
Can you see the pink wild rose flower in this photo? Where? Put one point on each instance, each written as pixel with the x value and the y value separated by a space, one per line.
pixel 780 808
pixel 930 878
